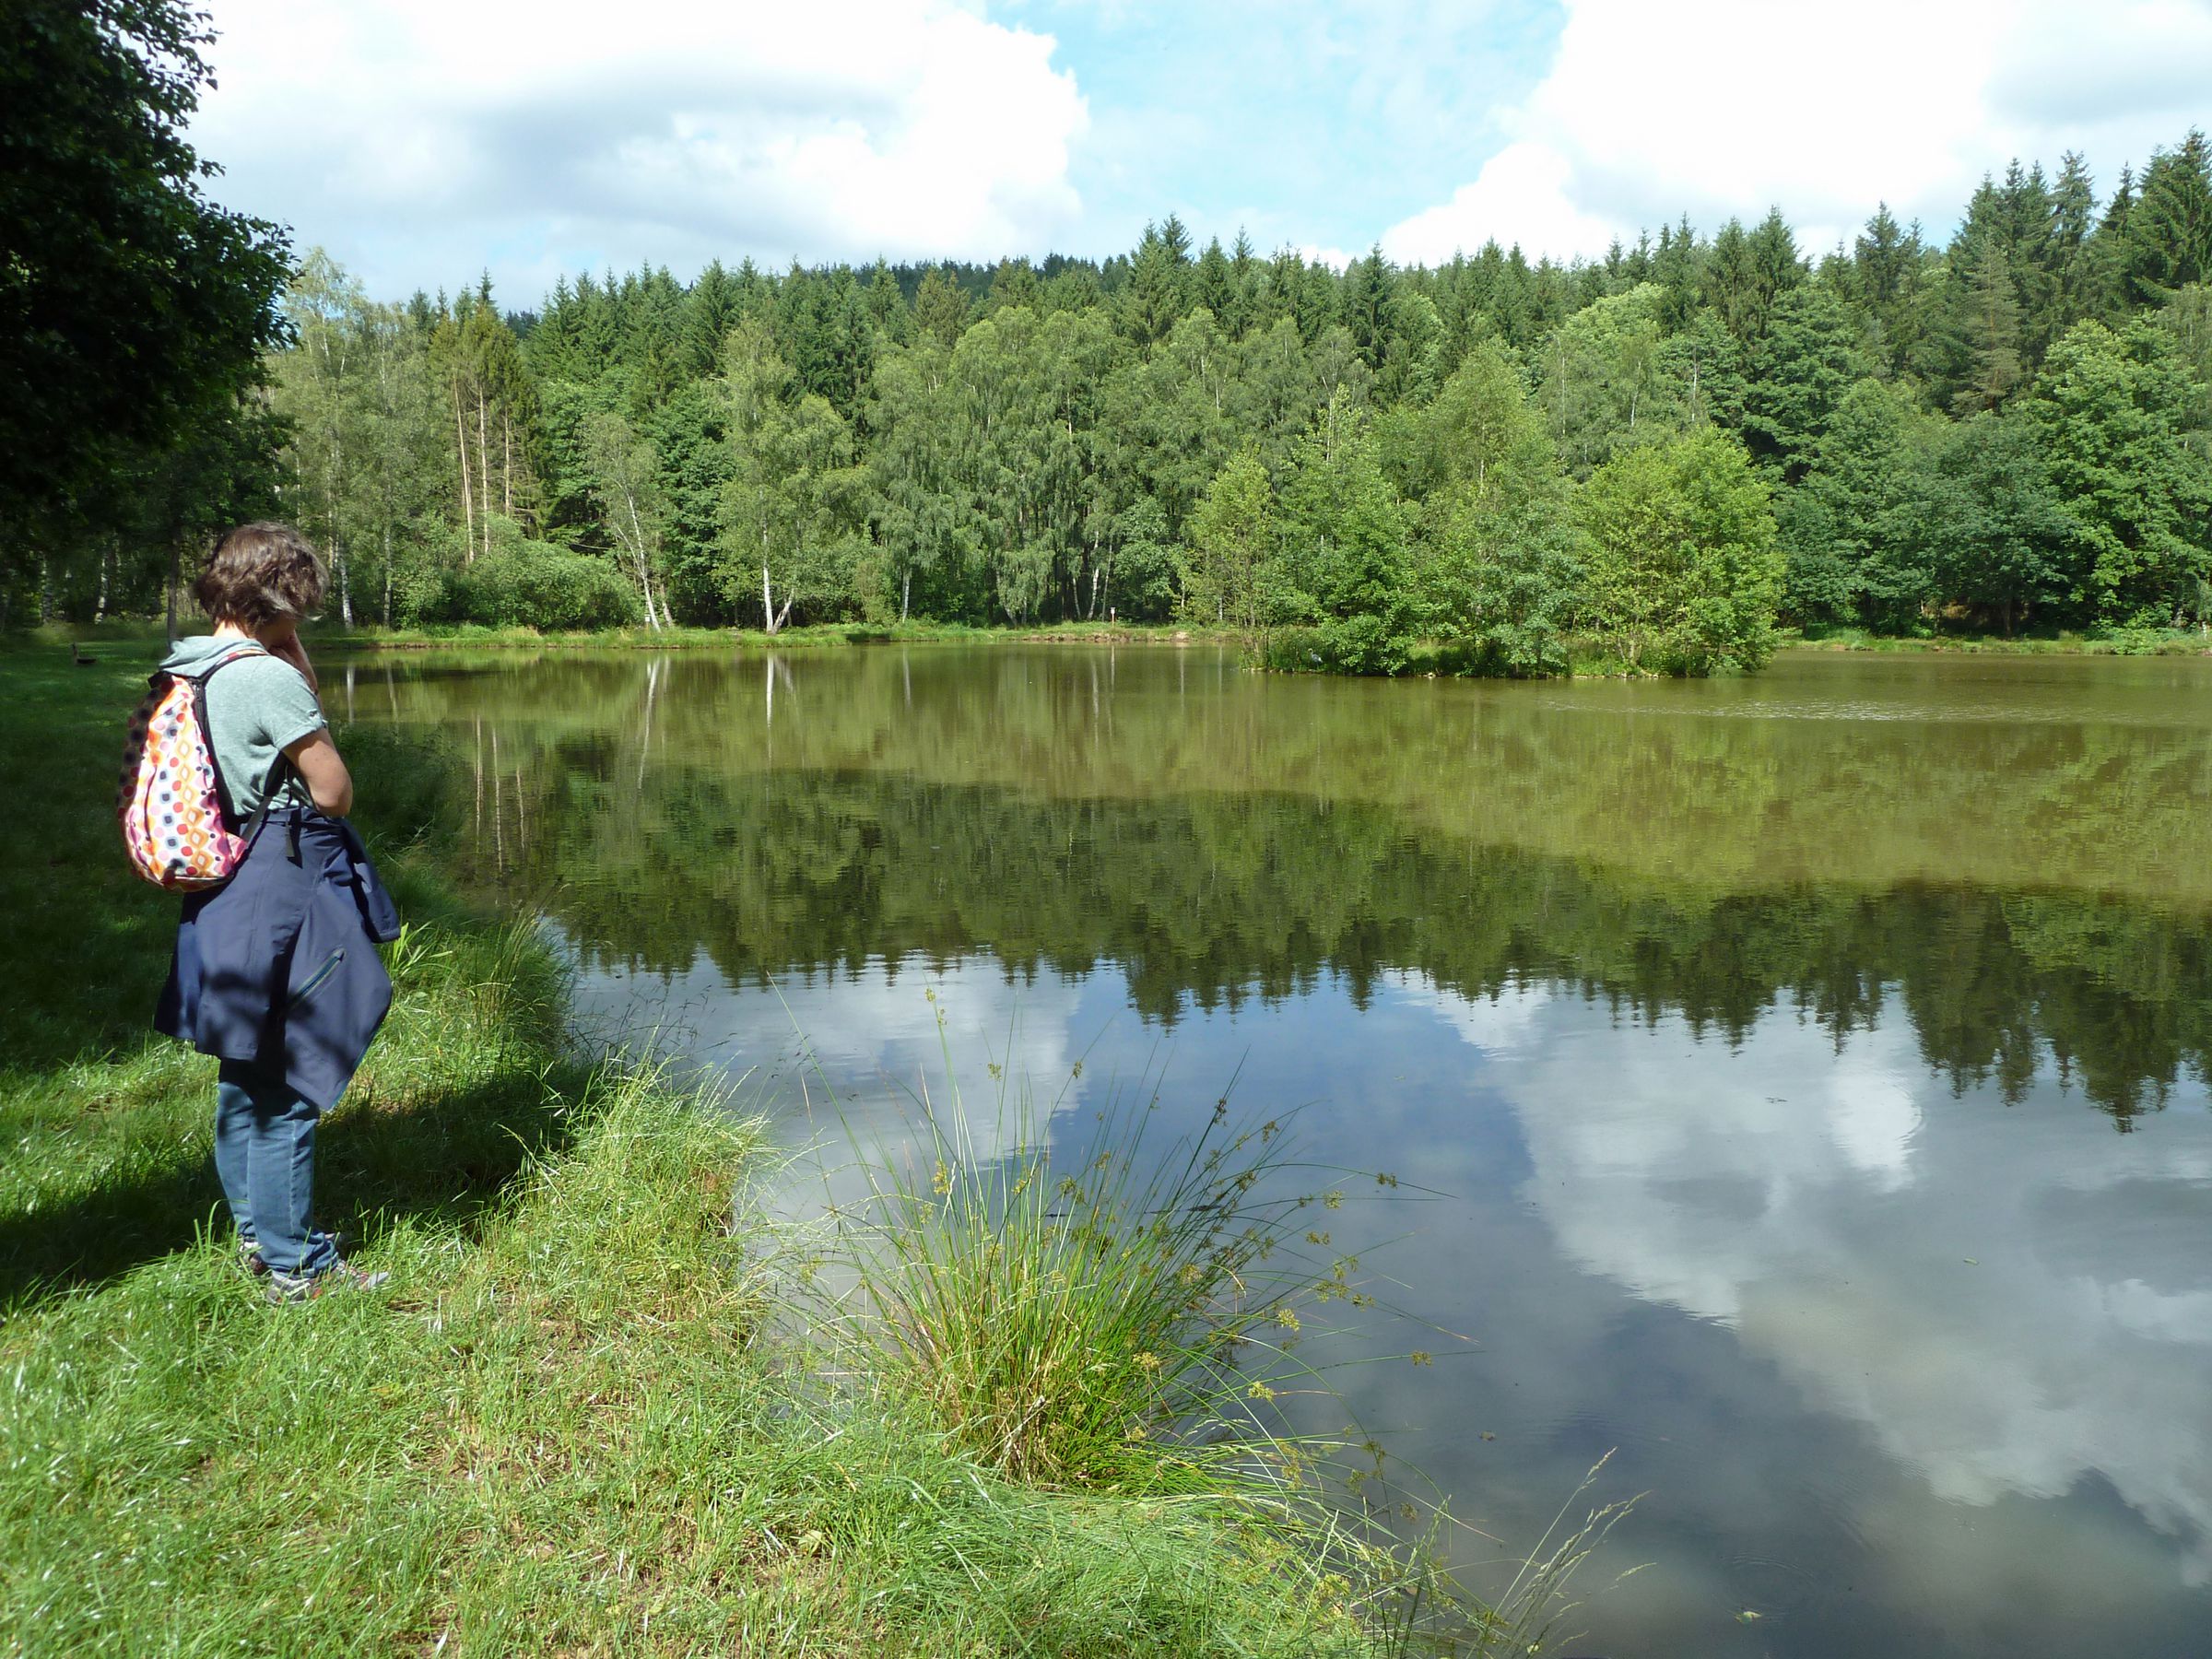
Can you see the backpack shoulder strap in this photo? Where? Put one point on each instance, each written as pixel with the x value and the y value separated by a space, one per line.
pixel 199 679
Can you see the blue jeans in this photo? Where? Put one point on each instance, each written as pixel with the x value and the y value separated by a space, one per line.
pixel 265 1153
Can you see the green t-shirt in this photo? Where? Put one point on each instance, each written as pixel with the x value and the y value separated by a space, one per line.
pixel 257 708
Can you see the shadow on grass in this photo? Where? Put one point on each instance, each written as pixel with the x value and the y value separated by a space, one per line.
pixel 444 1158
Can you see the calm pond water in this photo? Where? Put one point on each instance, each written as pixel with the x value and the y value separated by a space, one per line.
pixel 1812 1067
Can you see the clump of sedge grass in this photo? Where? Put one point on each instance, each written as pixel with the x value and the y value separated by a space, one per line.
pixel 1117 1318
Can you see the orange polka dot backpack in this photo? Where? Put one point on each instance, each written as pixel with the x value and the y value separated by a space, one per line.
pixel 169 802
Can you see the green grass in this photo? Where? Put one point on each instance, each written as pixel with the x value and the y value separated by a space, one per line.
pixel 2139 641
pixel 570 1425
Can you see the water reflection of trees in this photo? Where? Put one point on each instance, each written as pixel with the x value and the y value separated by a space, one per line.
pixel 660 811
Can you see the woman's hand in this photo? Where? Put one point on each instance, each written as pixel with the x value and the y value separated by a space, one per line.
pixel 292 651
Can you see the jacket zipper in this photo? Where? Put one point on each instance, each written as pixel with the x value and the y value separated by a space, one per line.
pixel 314 980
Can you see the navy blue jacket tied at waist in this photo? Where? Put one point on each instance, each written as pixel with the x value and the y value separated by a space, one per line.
pixel 278 967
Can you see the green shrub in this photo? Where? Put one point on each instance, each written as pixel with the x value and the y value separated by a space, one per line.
pixel 1361 644
pixel 1294 651
pixel 1684 573
pixel 537 586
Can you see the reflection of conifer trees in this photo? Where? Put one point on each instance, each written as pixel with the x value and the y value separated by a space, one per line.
pixel 1054 811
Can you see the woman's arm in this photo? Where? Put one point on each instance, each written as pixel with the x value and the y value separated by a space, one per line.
pixel 328 781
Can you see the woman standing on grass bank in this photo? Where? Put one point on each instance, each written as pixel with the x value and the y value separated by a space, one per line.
pixel 275 972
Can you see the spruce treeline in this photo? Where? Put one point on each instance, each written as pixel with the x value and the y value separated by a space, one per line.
pixel 1650 458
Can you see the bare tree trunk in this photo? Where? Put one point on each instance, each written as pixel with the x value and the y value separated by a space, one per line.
pixel 906 588
pixel 507 473
pixel 499 807
pixel 484 470
pixel 176 577
pixel 387 570
pixel 337 483
pixel 637 531
pixel 652 687
pixel 468 498
pixel 100 605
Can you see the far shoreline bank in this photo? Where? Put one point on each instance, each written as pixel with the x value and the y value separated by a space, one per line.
pixel 371 641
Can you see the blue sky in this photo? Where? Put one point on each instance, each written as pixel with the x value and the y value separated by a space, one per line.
pixel 1315 127
pixel 422 140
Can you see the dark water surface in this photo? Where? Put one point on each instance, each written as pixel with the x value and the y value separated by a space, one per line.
pixel 1814 1066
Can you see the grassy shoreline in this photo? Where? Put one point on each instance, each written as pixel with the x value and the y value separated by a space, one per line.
pixel 2139 642
pixel 824 636
pixel 1428 659
pixel 570 1426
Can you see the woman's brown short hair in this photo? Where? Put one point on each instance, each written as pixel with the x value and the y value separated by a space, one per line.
pixel 261 573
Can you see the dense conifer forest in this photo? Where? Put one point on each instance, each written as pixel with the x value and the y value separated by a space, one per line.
pixel 1654 456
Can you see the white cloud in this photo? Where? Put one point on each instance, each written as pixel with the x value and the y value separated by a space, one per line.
pixel 1649 111
pixel 415 137
pixel 1999 1332
pixel 846 1055
pixel 1523 195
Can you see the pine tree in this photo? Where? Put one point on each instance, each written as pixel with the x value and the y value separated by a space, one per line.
pixel 805 329
pixel 594 348
pixel 1888 260
pixel 1014 282
pixel 552 345
pixel 2169 234
pixel 1732 283
pixel 2073 220
pixel 888 313
pixel 1679 267
pixel 1771 254
pixel 1284 293
pixel 1176 240
pixel 756 293
pixel 1804 366
pixel 1154 297
pixel 1985 347
pixel 2106 288
pixel 1843 546
pixel 940 309
pixel 1243 277
pixel 710 311
pixel 852 349
pixel 1367 293
pixel 654 352
pixel 1212 285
